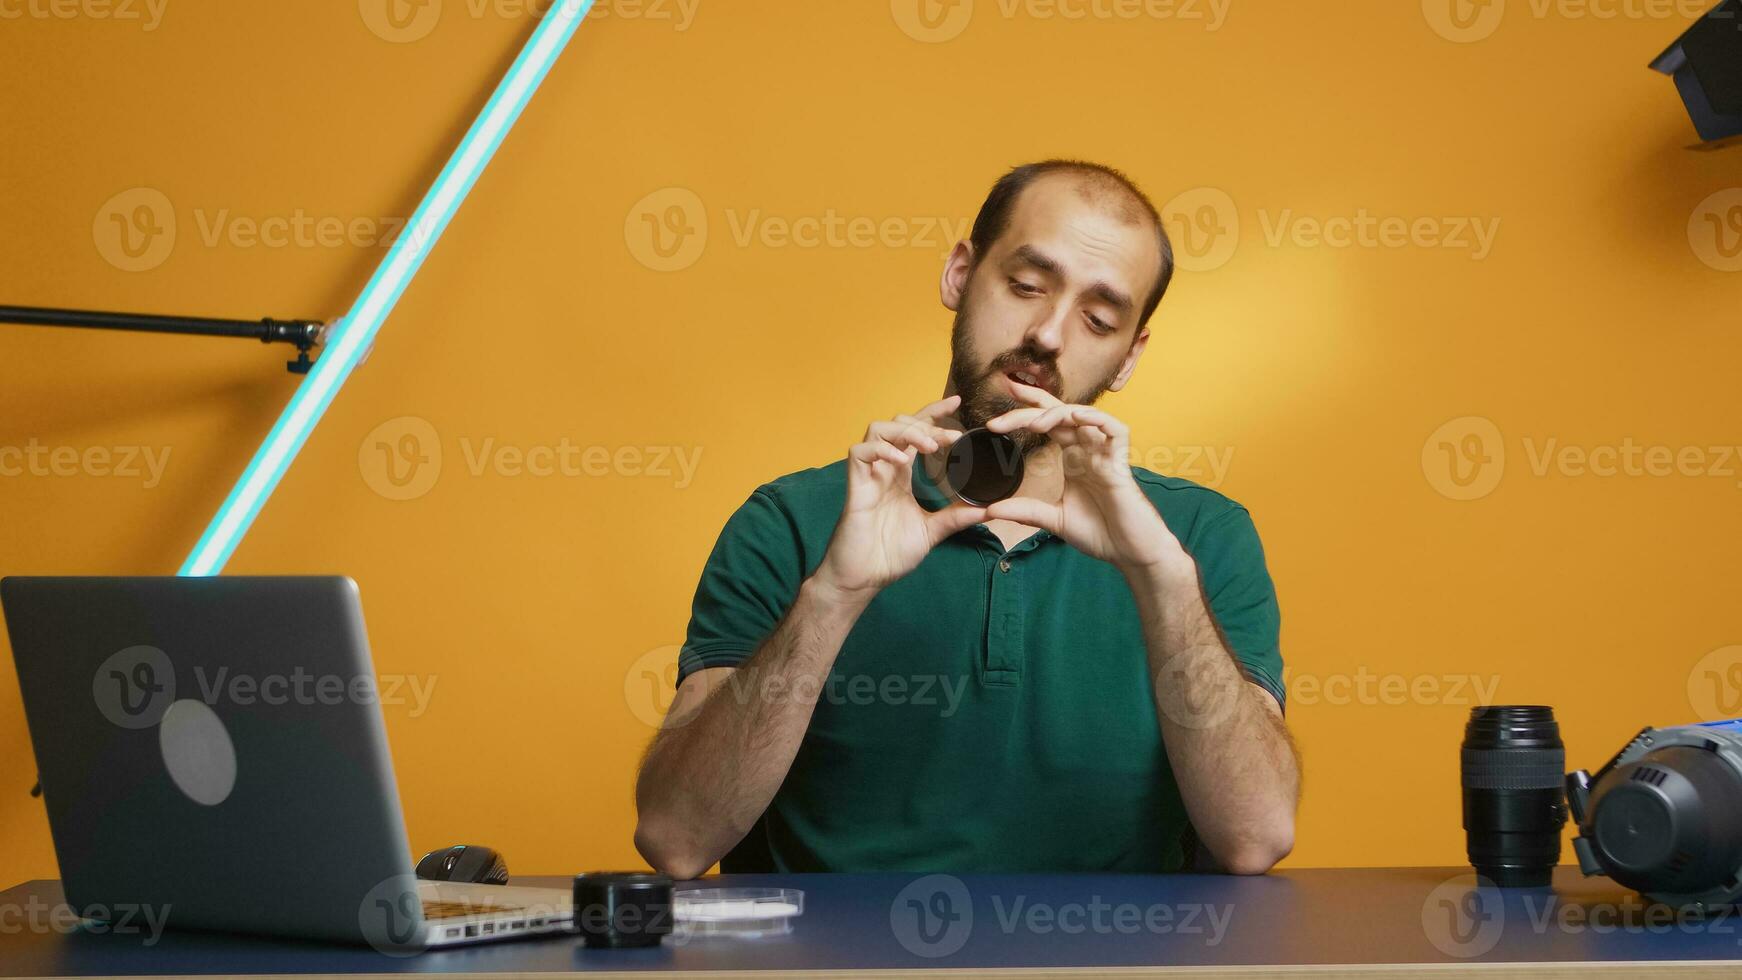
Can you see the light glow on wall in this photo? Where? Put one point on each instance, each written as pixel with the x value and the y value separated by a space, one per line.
pixel 351 336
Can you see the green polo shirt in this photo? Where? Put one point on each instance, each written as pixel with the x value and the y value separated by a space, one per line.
pixel 991 711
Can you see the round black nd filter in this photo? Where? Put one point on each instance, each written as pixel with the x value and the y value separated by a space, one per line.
pixel 983 467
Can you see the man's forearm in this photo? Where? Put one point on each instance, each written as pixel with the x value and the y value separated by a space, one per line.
pixel 1230 751
pixel 710 773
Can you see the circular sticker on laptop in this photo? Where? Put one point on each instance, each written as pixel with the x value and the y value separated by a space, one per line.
pixel 198 752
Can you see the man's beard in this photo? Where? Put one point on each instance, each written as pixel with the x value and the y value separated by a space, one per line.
pixel 984 396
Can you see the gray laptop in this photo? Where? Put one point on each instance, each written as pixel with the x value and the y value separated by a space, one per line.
pixel 212 752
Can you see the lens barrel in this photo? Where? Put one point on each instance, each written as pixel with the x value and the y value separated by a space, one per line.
pixel 1514 804
pixel 622 909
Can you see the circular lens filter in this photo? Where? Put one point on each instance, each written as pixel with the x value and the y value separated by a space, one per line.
pixel 983 467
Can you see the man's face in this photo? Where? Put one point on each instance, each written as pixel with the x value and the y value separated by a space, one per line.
pixel 1054 302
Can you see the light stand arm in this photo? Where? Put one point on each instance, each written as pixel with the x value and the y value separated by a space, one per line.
pixel 305 334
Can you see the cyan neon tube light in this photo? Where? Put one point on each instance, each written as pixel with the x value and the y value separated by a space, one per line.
pixel 354 333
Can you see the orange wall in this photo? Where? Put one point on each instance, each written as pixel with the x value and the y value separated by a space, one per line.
pixel 1318 375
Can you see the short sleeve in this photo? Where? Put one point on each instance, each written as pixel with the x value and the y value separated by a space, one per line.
pixel 751 579
pixel 1243 597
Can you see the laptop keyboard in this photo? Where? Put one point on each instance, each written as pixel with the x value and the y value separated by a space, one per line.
pixel 454 910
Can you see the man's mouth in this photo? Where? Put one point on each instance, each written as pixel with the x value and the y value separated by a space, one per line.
pixel 1033 377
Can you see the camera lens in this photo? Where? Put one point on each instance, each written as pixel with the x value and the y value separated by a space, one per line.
pixel 1514 805
pixel 622 909
pixel 983 467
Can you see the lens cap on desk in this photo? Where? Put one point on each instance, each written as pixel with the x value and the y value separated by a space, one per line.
pixel 983 467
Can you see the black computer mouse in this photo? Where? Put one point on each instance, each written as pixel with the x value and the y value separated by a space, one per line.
pixel 466 863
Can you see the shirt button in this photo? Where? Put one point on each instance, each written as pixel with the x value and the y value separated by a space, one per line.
pixel 1004 566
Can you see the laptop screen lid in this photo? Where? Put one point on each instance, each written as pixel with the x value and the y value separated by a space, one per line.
pixel 211 750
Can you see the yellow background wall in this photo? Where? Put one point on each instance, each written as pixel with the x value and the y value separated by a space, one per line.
pixel 546 609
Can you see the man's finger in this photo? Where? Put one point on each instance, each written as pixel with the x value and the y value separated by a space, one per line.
pixel 880 451
pixel 902 423
pixel 904 435
pixel 943 435
pixel 953 518
pixel 1105 427
pixel 1038 397
pixel 1033 419
pixel 1016 418
pixel 1027 510
pixel 940 408
pixel 1106 423
pixel 901 458
pixel 1052 418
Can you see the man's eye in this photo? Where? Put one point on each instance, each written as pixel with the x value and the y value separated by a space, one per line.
pixel 1026 289
pixel 1099 325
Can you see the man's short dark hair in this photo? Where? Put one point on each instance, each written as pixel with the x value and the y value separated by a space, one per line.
pixel 994 215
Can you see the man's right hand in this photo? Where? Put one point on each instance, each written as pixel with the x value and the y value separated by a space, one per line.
pixel 884 533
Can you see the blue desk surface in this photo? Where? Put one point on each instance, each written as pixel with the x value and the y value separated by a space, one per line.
pixel 1426 918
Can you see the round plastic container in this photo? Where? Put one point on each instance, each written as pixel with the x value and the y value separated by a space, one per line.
pixel 740 913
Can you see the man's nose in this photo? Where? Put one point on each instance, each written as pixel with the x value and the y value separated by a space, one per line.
pixel 1047 333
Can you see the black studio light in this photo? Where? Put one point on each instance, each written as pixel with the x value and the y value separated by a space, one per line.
pixel 1706 63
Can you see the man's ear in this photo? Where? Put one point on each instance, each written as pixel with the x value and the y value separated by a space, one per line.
pixel 1130 363
pixel 958 268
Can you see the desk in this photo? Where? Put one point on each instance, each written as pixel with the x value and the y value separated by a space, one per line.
pixel 1329 922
